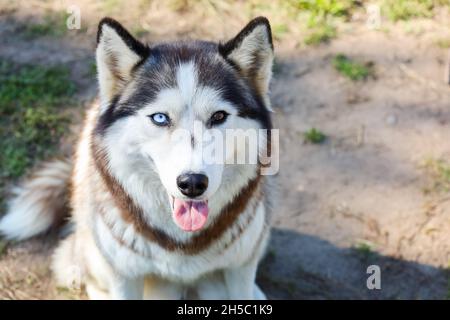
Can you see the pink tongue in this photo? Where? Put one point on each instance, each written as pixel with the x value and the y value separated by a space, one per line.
pixel 190 215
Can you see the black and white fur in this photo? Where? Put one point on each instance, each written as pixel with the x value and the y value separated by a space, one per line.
pixel 108 252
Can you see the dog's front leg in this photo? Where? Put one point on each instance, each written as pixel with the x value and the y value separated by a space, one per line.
pixel 240 281
pixel 126 288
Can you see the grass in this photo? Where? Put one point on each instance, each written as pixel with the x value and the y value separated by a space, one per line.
pixel 3 247
pixel 443 43
pixel 321 17
pixel 54 24
pixel 320 21
pixel 351 69
pixel 321 34
pixel 439 170
pixel 279 30
pixel 30 119
pixel 71 293
pixel 364 250
pixel 110 6
pixel 139 32
pixel 321 10
pixel 92 71
pixel 409 9
pixel 314 136
pixel 324 16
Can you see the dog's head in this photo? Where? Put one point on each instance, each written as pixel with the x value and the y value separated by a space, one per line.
pixel 167 111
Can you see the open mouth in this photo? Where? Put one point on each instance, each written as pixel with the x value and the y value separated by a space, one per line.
pixel 189 215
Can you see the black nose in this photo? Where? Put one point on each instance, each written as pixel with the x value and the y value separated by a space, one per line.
pixel 192 184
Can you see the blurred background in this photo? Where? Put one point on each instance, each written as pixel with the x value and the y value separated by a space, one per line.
pixel 362 100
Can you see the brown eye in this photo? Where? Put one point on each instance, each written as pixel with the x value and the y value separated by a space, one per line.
pixel 217 118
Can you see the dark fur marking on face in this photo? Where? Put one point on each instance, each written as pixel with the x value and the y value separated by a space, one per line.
pixel 111 115
pixel 132 213
pixel 215 71
pixel 158 71
pixel 236 90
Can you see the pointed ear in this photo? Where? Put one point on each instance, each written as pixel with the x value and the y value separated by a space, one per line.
pixel 117 54
pixel 252 52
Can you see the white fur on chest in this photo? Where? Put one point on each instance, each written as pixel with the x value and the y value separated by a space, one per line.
pixel 174 265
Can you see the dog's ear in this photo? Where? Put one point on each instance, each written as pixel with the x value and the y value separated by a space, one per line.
pixel 252 52
pixel 117 54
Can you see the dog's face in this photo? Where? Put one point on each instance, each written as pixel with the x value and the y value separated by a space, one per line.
pixel 170 109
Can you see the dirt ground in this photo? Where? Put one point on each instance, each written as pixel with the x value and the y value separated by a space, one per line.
pixel 360 198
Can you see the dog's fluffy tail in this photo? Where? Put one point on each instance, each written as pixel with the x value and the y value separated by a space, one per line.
pixel 40 203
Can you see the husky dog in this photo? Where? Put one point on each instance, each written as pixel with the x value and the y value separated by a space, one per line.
pixel 151 218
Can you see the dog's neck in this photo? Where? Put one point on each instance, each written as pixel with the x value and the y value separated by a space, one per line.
pixel 133 213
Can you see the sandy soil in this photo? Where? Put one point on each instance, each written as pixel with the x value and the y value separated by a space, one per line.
pixel 363 188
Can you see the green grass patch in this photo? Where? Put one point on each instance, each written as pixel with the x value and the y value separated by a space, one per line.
pixel 409 9
pixel 139 32
pixel 314 136
pixel 322 16
pixel 321 34
pixel 321 10
pixel 279 30
pixel 439 171
pixel 443 43
pixel 364 250
pixel 92 69
pixel 3 247
pixel 31 123
pixel 53 24
pixel 111 6
pixel 351 69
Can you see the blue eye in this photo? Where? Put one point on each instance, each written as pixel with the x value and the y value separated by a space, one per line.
pixel 160 119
